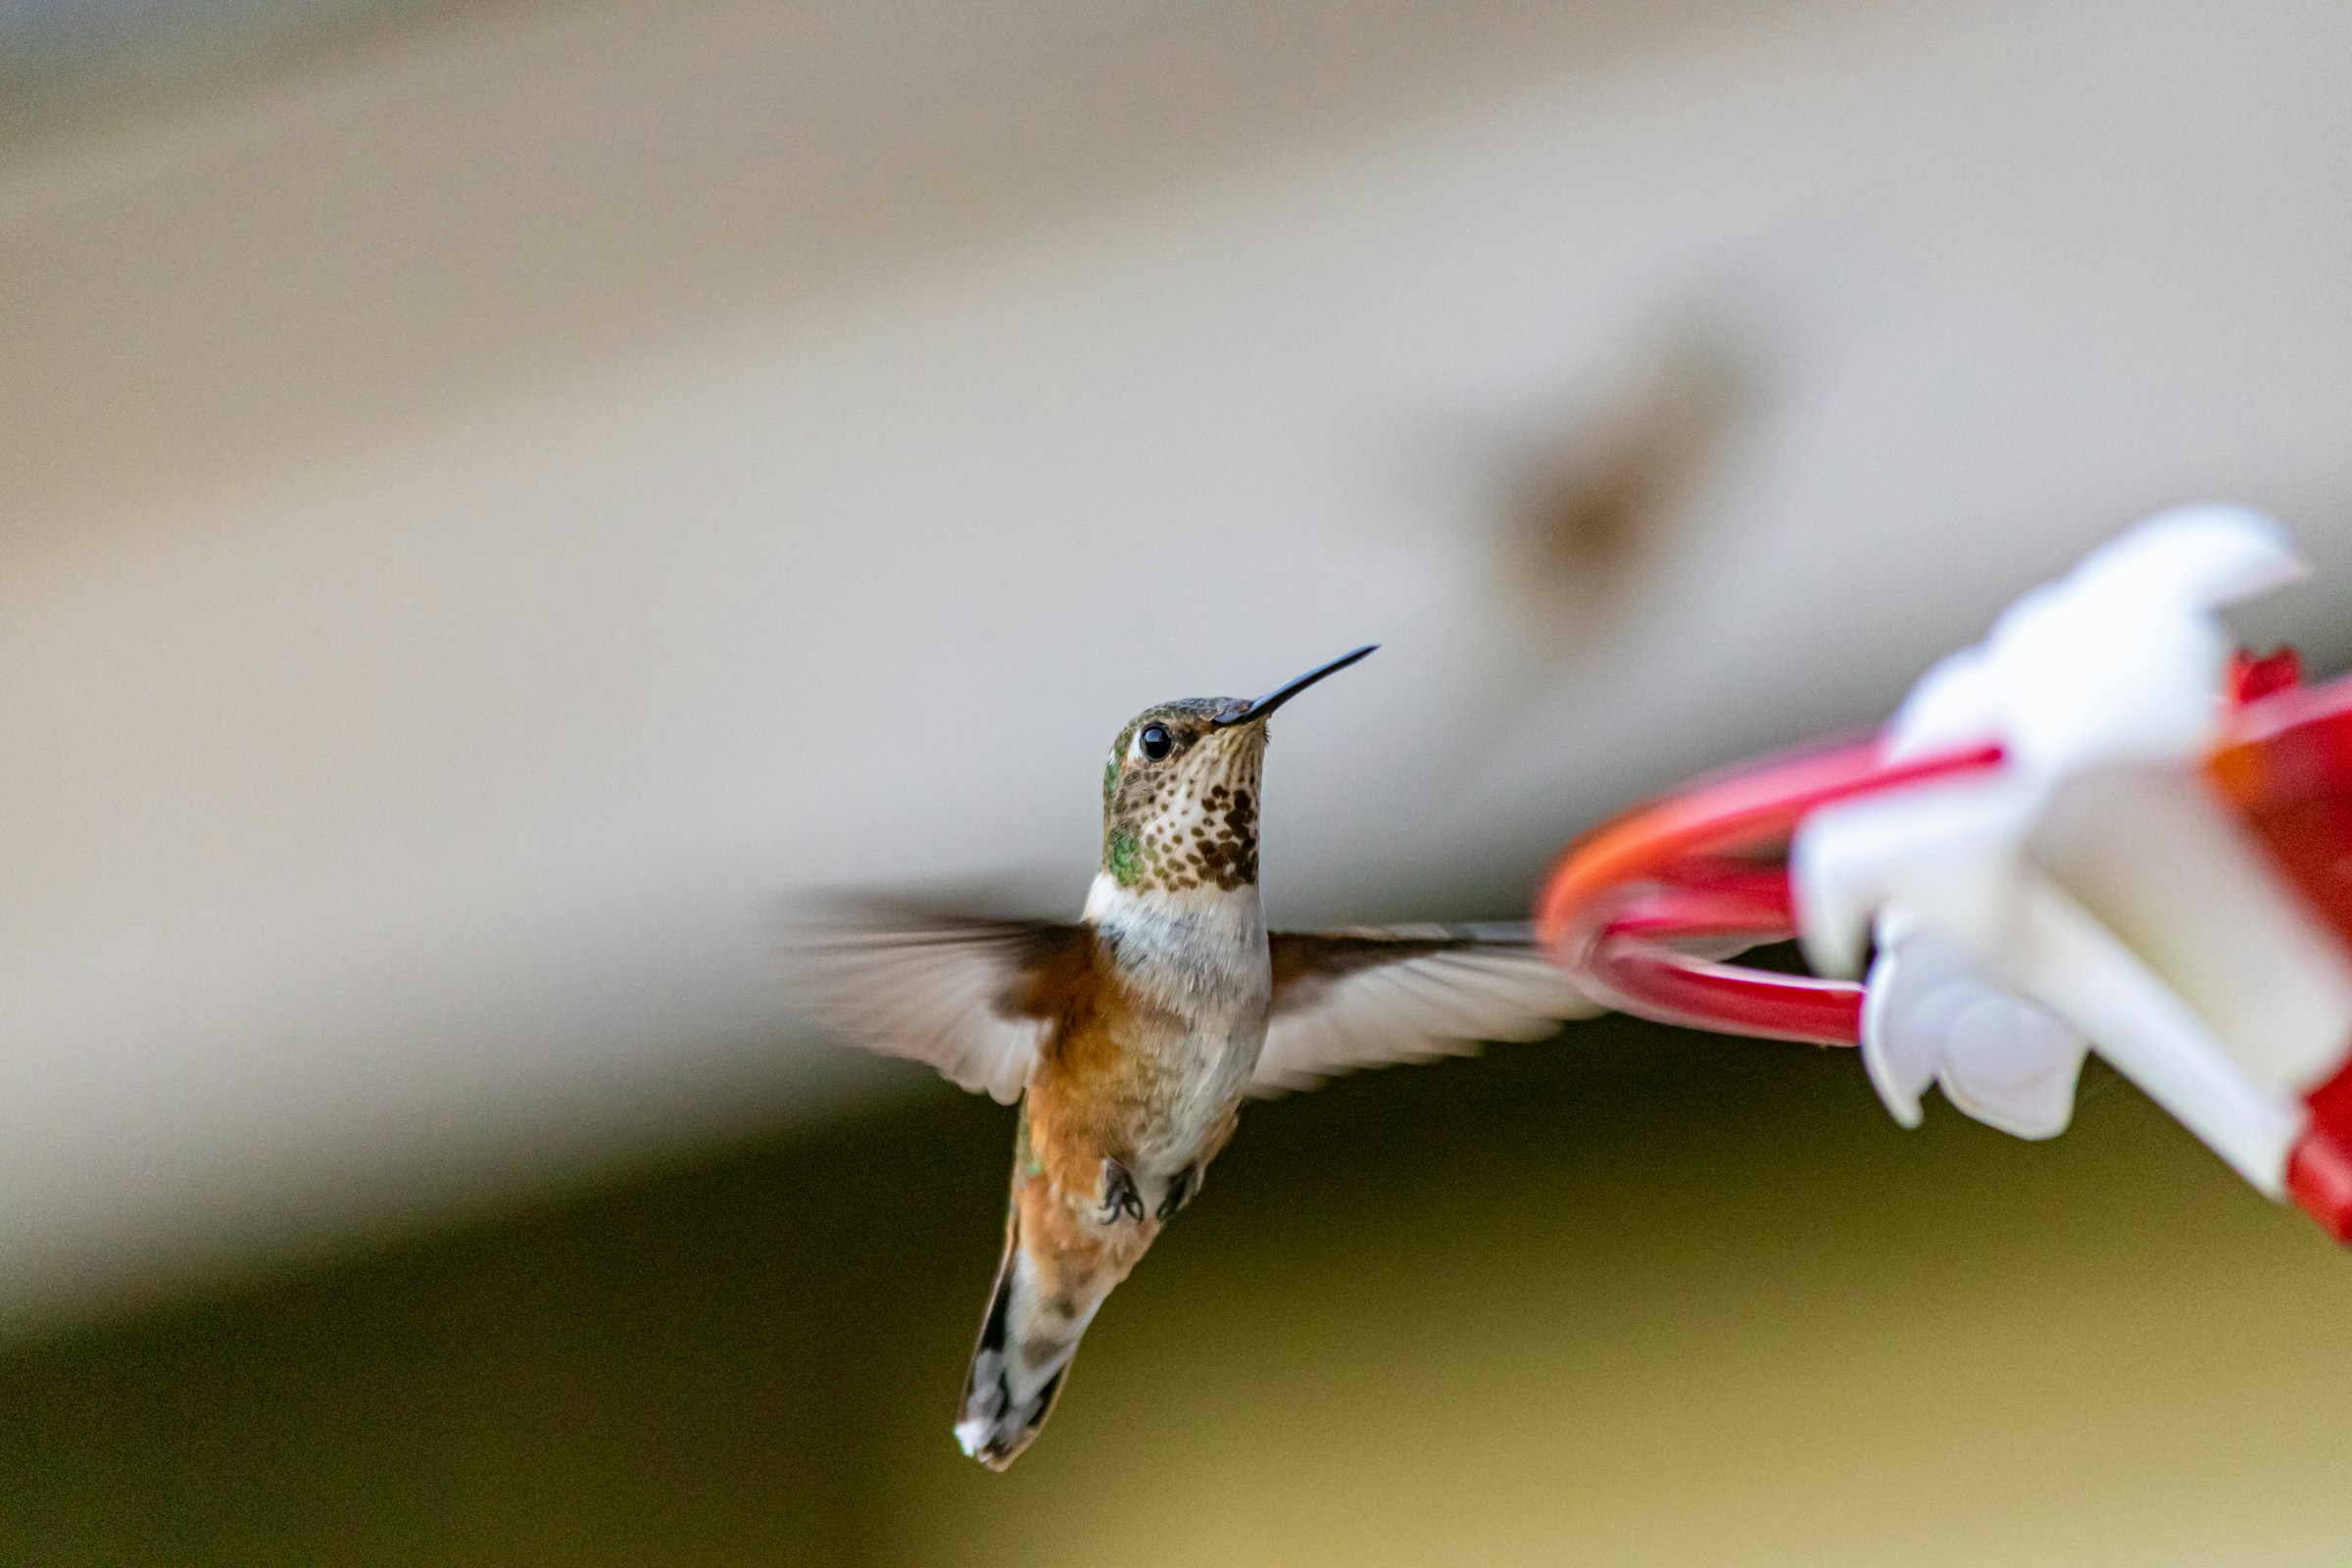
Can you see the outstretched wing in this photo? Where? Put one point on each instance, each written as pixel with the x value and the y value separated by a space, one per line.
pixel 962 993
pixel 1344 1000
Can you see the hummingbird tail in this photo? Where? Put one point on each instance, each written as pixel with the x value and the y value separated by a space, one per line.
pixel 1035 1318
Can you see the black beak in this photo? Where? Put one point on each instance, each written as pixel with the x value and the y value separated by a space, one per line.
pixel 1281 694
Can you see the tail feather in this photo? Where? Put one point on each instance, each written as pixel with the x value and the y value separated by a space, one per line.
pixel 1025 1347
pixel 1061 1257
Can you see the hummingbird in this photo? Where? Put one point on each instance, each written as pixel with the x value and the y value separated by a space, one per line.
pixel 1131 1036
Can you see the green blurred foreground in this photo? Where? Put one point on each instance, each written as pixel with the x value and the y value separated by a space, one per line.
pixel 1631 1296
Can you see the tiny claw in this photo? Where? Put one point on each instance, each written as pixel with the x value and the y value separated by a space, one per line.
pixel 1119 1195
pixel 1180 1192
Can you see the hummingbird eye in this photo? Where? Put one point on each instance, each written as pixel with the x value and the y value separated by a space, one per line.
pixel 1155 743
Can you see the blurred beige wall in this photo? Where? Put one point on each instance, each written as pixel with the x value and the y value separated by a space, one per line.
pixel 491 505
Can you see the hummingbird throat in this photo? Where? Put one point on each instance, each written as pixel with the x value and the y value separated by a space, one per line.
pixel 1190 825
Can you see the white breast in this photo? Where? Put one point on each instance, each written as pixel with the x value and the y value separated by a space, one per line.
pixel 1201 954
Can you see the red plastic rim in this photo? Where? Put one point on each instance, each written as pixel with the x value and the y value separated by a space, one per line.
pixel 1633 910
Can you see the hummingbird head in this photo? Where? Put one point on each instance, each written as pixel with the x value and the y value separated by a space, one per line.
pixel 1181 790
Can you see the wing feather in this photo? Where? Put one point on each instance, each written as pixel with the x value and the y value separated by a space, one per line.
pixel 962 993
pixel 1344 1000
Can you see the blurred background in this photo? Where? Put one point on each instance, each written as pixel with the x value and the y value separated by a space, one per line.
pixel 498 497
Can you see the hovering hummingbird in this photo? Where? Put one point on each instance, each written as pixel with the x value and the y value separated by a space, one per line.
pixel 1131 1035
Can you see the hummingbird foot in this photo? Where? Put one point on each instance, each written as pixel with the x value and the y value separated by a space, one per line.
pixel 1181 1186
pixel 1121 1199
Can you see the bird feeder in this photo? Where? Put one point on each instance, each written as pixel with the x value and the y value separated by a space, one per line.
pixel 2102 829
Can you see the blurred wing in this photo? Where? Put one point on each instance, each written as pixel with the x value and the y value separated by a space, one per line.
pixel 962 993
pixel 1344 1000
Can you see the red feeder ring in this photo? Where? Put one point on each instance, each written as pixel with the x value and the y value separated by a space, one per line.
pixel 1632 906
pixel 1633 910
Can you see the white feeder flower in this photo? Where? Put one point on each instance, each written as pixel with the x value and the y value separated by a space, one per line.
pixel 1930 1017
pixel 2090 891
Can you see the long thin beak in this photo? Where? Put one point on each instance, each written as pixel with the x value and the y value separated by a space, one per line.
pixel 1281 694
